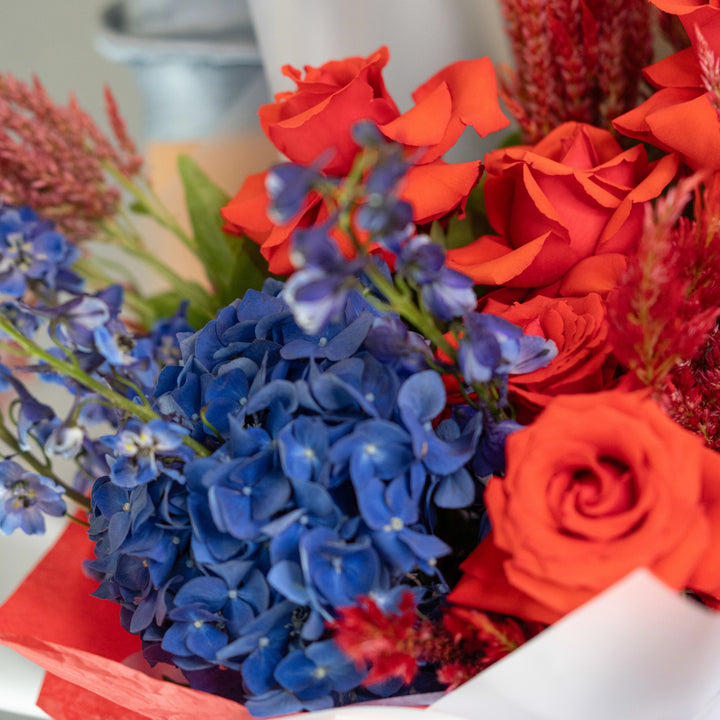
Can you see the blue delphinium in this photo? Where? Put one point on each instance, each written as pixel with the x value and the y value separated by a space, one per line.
pixel 25 499
pixel 33 253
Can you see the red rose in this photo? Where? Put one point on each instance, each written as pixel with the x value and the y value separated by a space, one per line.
pixel 597 486
pixel 316 120
pixel 680 116
pixel 328 101
pixel 579 329
pixel 568 210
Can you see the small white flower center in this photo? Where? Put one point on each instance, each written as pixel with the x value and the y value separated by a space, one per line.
pixel 395 525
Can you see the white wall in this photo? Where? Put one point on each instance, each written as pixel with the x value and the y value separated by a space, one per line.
pixel 54 40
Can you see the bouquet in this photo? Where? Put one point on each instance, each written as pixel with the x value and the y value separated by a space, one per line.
pixel 410 413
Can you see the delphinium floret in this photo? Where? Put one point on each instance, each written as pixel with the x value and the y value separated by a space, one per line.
pixel 25 499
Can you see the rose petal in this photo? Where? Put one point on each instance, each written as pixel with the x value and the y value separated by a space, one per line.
pixel 597 273
pixel 679 70
pixel 699 142
pixel 437 188
pixel 489 261
pixel 425 123
pixel 484 586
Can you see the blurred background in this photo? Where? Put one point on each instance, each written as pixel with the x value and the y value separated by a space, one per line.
pixel 188 77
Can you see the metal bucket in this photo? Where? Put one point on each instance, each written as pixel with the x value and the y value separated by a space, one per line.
pixel 196 64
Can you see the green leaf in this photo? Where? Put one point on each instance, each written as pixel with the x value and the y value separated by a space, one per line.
pixel 232 264
pixel 459 233
pixel 437 234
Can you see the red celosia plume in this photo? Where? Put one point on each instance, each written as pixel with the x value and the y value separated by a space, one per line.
pixel 574 61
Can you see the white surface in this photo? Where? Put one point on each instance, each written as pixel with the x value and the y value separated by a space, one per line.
pixel 20 679
pixel 637 652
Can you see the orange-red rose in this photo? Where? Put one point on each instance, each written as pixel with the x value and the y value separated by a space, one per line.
pixel 597 486
pixel 328 101
pixel 568 210
pixel 680 116
pixel 579 329
pixel 316 121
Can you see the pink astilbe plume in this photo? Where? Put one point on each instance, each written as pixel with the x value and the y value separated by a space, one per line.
pixel 52 157
pixel 458 646
pixel 669 299
pixel 576 60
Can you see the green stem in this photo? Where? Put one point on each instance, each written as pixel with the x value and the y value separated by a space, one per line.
pixel 154 206
pixel 77 520
pixel 200 299
pixel 404 306
pixel 67 369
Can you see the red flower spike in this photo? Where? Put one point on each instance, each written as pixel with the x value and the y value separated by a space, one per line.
pixel 574 61
pixel 384 642
pixel 464 642
pixel 669 298
pixel 709 69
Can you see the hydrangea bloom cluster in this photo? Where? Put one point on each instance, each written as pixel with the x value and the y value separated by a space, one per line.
pixel 330 459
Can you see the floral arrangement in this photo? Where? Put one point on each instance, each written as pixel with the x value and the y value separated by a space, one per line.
pixel 413 412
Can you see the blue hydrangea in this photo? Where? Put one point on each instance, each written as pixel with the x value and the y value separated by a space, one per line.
pixel 328 465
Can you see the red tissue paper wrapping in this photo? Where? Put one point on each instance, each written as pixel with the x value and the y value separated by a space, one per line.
pixel 54 621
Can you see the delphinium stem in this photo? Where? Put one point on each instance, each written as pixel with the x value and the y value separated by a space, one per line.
pixel 153 205
pixel 407 309
pixel 131 243
pixel 72 371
